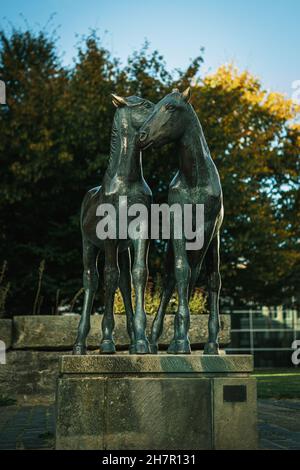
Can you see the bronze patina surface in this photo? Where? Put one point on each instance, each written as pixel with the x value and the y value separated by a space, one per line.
pixel 123 177
pixel 196 182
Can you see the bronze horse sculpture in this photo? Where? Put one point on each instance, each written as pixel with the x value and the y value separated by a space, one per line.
pixel 123 177
pixel 196 182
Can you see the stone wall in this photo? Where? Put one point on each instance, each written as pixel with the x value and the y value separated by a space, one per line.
pixel 6 333
pixel 35 343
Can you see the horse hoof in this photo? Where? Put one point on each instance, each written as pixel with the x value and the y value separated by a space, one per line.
pixel 172 347
pixel 142 347
pixel 153 348
pixel 211 349
pixel 179 346
pixel 132 349
pixel 79 350
pixel 107 347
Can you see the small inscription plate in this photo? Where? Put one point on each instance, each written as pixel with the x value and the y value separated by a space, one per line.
pixel 234 393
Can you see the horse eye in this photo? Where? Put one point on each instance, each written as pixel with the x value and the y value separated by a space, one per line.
pixel 170 107
pixel 147 105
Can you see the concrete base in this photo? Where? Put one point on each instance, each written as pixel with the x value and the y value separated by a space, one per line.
pixel 156 402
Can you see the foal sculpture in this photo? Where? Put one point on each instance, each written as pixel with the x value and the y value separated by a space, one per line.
pixel 196 182
pixel 123 177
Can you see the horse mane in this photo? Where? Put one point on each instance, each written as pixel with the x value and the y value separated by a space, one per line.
pixel 113 140
pixel 115 131
pixel 114 136
pixel 202 136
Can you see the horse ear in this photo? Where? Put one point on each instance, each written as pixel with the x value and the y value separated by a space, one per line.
pixel 118 101
pixel 186 95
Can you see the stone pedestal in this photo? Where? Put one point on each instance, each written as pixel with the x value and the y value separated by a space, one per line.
pixel 161 402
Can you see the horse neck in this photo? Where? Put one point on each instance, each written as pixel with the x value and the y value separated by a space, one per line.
pixel 194 155
pixel 125 159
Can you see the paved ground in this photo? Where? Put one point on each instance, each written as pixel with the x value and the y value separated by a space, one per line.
pixel 27 427
pixel 279 424
pixel 32 427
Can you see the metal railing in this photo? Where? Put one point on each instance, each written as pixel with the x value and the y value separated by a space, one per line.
pixel 266 333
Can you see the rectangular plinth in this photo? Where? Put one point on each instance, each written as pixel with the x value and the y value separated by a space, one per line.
pixel 154 364
pixel 156 402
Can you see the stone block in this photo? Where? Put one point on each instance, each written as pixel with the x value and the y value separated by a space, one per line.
pixel 155 364
pixel 45 332
pixel 29 373
pixel 6 332
pixel 50 332
pixel 235 413
pixel 83 398
pixel 158 402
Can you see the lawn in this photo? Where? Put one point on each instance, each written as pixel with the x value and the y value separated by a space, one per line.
pixel 278 383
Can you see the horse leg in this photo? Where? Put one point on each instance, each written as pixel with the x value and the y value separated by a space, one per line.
pixel 140 276
pixel 194 276
pixel 90 284
pixel 180 343
pixel 125 288
pixel 111 282
pixel 214 286
pixel 168 288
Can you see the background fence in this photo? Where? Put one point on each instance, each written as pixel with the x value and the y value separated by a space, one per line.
pixel 267 333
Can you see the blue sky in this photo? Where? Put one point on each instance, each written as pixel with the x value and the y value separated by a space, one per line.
pixel 260 35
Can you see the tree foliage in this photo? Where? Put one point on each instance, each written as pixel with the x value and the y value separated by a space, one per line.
pixel 54 144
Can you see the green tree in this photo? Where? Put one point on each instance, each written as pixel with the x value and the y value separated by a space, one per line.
pixel 31 161
pixel 54 145
pixel 256 149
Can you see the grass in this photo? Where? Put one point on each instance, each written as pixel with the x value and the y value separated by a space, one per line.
pixel 278 383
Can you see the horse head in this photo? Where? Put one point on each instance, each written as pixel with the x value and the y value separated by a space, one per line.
pixel 168 120
pixel 133 111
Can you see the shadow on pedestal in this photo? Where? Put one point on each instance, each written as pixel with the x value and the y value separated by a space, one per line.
pixel 156 402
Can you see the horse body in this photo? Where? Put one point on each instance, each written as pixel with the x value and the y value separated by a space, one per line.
pixel 196 182
pixel 123 177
